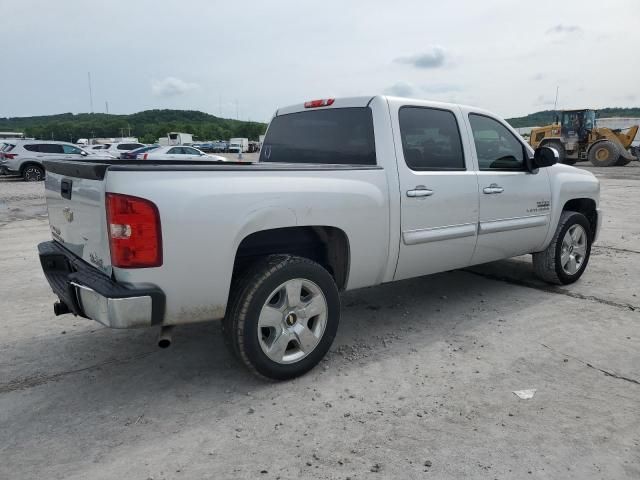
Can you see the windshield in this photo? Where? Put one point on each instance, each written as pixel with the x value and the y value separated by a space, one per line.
pixel 590 119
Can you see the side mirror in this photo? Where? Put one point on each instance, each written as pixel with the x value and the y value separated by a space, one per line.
pixel 545 157
pixel 83 153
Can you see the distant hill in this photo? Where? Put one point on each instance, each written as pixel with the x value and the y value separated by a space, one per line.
pixel 148 125
pixel 547 116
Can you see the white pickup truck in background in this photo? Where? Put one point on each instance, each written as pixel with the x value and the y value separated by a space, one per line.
pixel 348 193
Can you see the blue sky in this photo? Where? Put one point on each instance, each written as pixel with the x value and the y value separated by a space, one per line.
pixel 504 55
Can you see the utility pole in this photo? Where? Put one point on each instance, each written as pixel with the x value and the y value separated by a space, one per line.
pixel 555 105
pixel 237 116
pixel 106 106
pixel 90 92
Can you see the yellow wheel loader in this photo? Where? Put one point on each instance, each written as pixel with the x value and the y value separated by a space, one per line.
pixel 576 137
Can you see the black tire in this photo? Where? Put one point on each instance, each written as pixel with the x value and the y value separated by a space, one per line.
pixel 251 293
pixel 547 264
pixel 562 154
pixel 604 154
pixel 622 161
pixel 33 173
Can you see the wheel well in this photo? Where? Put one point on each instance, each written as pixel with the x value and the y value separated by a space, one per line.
pixel 29 164
pixel 327 246
pixel 587 207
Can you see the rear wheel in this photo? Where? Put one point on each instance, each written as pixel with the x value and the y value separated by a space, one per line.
pixel 33 173
pixel 604 154
pixel 566 257
pixel 283 317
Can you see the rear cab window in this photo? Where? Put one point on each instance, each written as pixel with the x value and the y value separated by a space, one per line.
pixel 430 139
pixel 330 136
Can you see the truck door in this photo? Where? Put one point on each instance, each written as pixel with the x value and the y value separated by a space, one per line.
pixel 514 203
pixel 438 190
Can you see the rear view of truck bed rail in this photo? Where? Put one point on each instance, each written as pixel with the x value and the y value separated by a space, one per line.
pixel 98 169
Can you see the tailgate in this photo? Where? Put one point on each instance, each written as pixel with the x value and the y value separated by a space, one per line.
pixel 77 216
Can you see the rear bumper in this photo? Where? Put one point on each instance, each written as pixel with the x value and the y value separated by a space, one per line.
pixel 88 292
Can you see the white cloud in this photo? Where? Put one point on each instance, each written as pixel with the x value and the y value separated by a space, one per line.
pixel 441 88
pixel 545 100
pixel 565 29
pixel 401 89
pixel 171 86
pixel 433 57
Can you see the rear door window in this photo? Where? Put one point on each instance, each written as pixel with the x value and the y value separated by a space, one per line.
pixel 50 148
pixel 430 139
pixel 32 148
pixel 331 136
pixel 175 151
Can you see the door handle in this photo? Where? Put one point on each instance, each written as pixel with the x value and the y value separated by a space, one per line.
pixel 492 189
pixel 419 191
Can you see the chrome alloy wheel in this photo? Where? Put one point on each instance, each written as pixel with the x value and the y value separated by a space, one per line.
pixel 574 249
pixel 292 321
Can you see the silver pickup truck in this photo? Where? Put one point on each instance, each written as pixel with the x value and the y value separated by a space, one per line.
pixel 347 193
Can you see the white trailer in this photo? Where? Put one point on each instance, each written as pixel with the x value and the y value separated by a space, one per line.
pixel 178 138
pixel 239 144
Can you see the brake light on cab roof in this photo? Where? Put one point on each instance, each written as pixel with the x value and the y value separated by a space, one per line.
pixel 324 102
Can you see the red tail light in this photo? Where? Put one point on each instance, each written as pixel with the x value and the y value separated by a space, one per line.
pixel 145 156
pixel 135 236
pixel 325 102
pixel 10 156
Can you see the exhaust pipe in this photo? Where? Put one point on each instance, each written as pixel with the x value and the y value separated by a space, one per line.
pixel 60 308
pixel 164 339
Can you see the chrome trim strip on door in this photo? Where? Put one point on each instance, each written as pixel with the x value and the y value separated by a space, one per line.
pixel 496 226
pixel 426 235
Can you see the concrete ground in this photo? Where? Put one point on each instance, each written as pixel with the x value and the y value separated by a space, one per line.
pixel 418 384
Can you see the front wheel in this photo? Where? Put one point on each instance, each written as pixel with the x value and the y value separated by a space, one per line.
pixel 566 257
pixel 604 154
pixel 283 316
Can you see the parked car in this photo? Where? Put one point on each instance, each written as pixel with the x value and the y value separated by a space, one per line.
pixel 220 146
pixel 205 147
pixel 133 154
pixel 178 153
pixel 348 193
pixel 95 148
pixel 25 157
pixel 119 148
